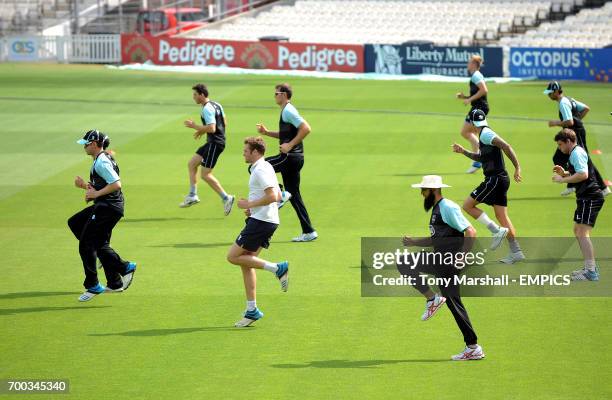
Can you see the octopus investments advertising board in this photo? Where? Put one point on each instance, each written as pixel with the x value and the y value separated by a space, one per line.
pixel 561 63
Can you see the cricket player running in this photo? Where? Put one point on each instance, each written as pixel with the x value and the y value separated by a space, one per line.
pixel 589 199
pixel 494 190
pixel 262 220
pixel 94 225
pixel 448 232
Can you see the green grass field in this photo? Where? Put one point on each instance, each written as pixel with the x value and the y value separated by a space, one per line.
pixel 171 334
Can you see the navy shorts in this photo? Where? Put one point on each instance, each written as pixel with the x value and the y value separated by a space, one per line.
pixel 587 210
pixel 210 153
pixel 256 234
pixel 493 191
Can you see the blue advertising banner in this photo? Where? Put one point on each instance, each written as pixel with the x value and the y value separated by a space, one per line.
pixel 559 63
pixel 415 59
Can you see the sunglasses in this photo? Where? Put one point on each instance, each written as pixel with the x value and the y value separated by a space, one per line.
pixel 277 93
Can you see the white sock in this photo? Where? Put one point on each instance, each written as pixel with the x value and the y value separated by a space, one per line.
pixel 251 305
pixel 590 265
pixel 272 267
pixel 193 190
pixel 223 196
pixel 486 221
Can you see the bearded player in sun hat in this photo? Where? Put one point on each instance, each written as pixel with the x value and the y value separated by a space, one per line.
pixel 448 229
pixel 494 190
pixel 94 225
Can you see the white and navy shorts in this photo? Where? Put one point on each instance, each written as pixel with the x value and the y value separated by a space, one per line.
pixel 493 191
pixel 210 153
pixel 256 234
pixel 587 210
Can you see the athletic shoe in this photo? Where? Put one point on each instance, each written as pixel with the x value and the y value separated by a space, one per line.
pixel 499 237
pixel 109 290
pixel 283 275
pixel 474 167
pixel 92 292
pixel 306 237
pixel 568 191
pixel 189 201
pixel 606 191
pixel 469 354
pixel 227 204
pixel 249 318
pixel 512 258
pixel 432 306
pixel 585 274
pixel 128 277
pixel 285 196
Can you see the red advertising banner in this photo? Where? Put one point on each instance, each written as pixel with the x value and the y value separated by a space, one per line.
pixel 166 50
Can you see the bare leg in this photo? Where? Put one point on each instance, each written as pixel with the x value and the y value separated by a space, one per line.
pixel 583 235
pixel 192 166
pixel 501 213
pixel 470 207
pixel 212 181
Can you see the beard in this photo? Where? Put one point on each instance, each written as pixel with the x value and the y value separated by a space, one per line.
pixel 429 201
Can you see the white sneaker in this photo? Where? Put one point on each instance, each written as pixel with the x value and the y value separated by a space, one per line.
pixel 285 197
pixel 512 258
pixel 189 201
pixel 306 237
pixel 472 169
pixel 431 307
pixel 227 204
pixel 568 191
pixel 469 354
pixel 499 237
pixel 606 191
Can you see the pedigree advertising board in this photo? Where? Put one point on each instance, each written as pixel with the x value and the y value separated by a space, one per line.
pixel 136 48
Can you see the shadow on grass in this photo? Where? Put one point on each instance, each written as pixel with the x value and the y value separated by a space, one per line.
pixel 421 174
pixel 135 220
pixel 13 311
pixel 355 363
pixel 194 245
pixel 171 331
pixel 27 295
pixel 539 198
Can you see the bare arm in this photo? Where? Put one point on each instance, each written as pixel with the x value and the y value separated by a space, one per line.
pixel 271 196
pixel 261 128
pixel 92 193
pixel 303 131
pixel 457 148
pixel 509 152
pixel 577 177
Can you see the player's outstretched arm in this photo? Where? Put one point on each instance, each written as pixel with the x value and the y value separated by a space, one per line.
pixel 457 148
pixel 261 128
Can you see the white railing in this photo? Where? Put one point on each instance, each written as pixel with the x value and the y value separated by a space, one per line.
pixel 99 49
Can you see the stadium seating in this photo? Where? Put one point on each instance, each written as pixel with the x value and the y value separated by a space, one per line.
pixel 379 21
pixel 589 28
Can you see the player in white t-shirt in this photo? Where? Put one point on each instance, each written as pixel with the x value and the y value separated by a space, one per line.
pixel 261 210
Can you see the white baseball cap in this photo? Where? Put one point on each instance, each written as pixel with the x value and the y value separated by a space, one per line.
pixel 430 182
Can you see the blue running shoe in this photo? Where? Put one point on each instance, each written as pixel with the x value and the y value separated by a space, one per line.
pixel 285 197
pixel 92 292
pixel 585 274
pixel 475 167
pixel 128 277
pixel 283 275
pixel 249 318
